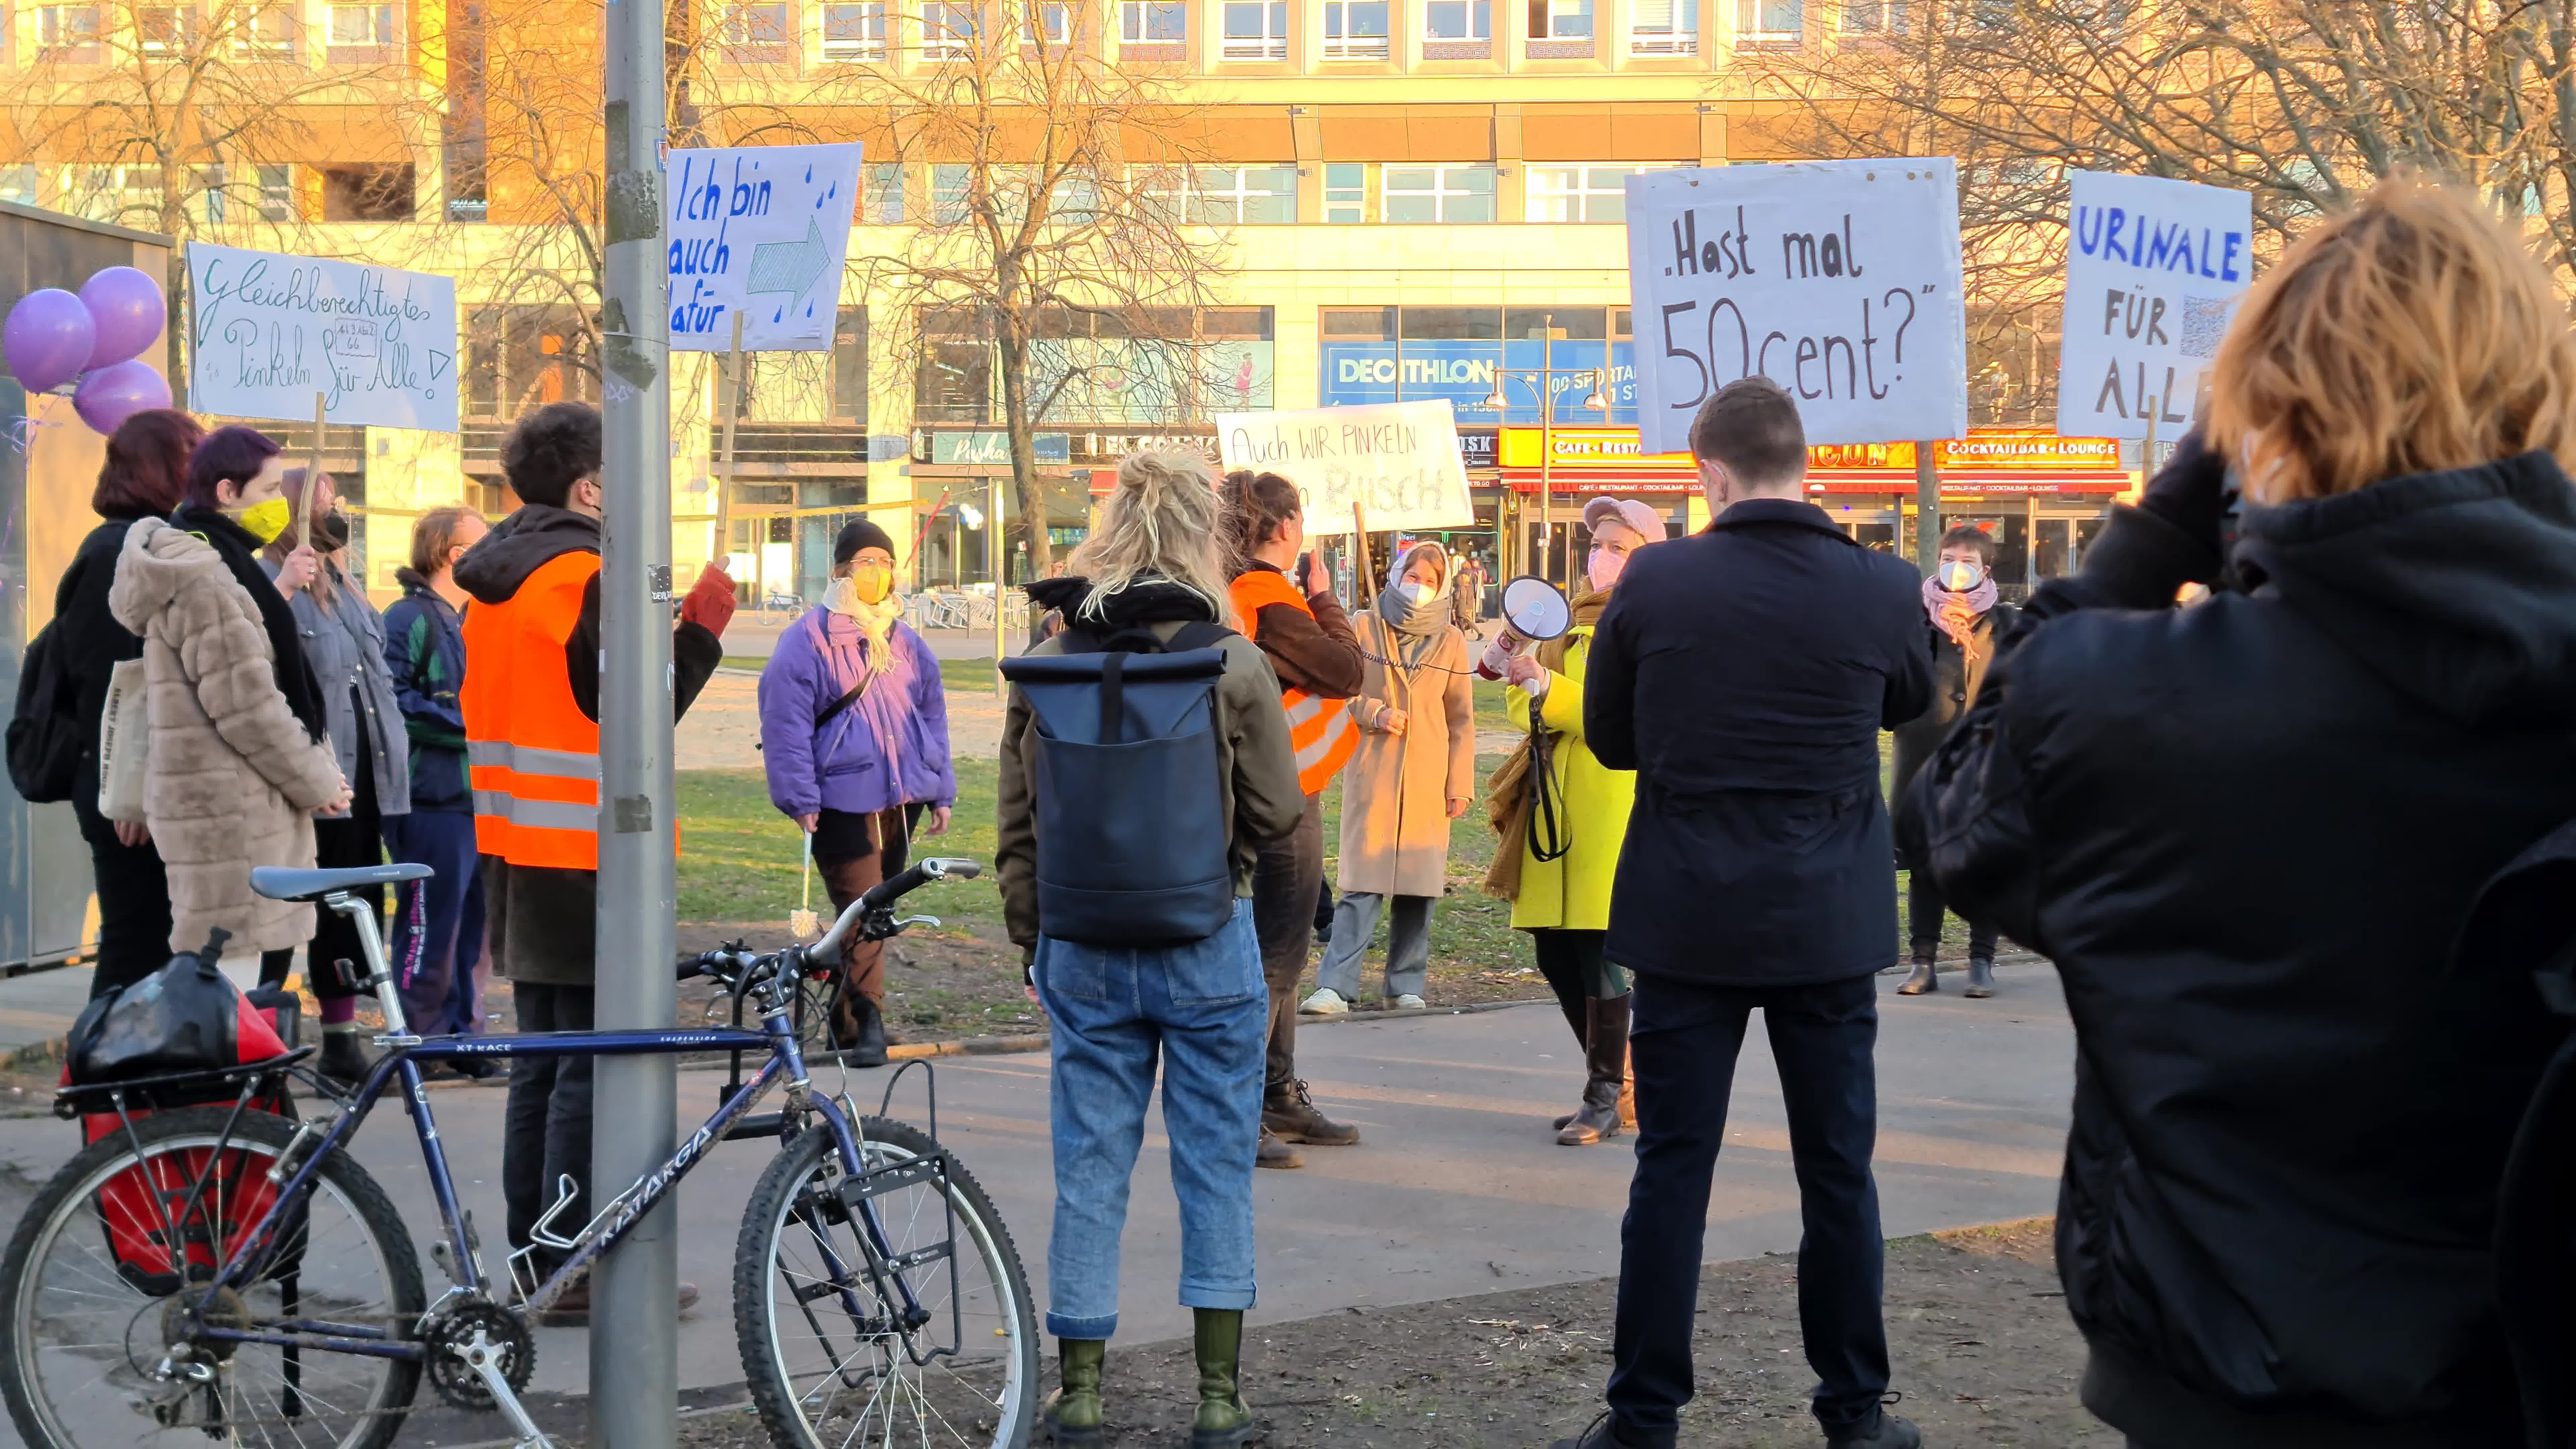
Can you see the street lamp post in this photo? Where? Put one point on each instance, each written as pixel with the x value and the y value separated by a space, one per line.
pixel 1543 380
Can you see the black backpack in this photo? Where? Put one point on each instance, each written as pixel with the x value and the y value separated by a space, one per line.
pixel 46 736
pixel 1128 787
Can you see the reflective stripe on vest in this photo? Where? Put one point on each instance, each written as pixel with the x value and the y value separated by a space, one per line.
pixel 1319 729
pixel 532 755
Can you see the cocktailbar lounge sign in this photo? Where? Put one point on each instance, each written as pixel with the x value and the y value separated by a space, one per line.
pixel 1989 461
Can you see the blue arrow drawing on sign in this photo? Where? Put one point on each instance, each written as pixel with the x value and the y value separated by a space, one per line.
pixel 789 267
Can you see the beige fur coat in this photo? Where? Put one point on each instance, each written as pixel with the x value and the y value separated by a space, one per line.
pixel 232 778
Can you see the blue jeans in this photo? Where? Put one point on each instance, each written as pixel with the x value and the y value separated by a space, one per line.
pixel 1204 1008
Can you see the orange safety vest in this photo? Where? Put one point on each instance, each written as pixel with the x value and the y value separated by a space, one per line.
pixel 1319 728
pixel 532 754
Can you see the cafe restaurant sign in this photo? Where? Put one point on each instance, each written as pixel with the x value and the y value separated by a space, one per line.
pixel 1989 461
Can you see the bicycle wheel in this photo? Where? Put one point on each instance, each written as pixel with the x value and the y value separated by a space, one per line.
pixel 91 1299
pixel 831 1354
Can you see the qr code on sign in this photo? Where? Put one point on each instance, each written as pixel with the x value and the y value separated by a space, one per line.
pixel 2204 322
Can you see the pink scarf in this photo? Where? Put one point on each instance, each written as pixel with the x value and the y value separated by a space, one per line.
pixel 1957 614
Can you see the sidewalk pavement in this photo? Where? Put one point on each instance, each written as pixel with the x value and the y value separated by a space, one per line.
pixel 1457 1188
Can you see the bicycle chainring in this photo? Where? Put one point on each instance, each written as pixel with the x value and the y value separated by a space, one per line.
pixel 451 1333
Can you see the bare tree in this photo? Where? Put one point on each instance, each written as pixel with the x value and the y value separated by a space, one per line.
pixel 1063 260
pixel 2301 103
pixel 146 109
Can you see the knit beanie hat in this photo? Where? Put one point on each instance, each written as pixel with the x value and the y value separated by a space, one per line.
pixel 857 534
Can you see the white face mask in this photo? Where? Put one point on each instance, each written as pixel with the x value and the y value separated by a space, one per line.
pixel 1959 577
pixel 1416 590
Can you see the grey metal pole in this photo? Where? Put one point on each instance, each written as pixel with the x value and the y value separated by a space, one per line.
pixel 634 1333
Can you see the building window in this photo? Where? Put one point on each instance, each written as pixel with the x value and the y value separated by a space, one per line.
pixel 1560 19
pixel 265 34
pixel 1255 30
pixel 1445 194
pixel 1152 22
pixel 1049 24
pixel 164 32
pixel 1355 29
pixel 854 32
pixel 1458 20
pixel 948 31
pixel 360 34
pixel 129 195
pixel 276 193
pixel 68 33
pixel 367 193
pixel 1874 17
pixel 850 366
pixel 760 35
pixel 950 188
pixel 1666 27
pixel 1244 196
pixel 1346 192
pixel 881 195
pixel 1579 193
pixel 18 184
pixel 1770 22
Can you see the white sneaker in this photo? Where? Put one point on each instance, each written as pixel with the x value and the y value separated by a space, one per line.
pixel 1325 1002
pixel 1410 1002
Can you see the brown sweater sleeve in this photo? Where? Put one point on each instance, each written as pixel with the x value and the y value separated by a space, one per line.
pixel 1319 655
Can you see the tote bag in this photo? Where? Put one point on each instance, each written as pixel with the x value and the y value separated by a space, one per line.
pixel 123 732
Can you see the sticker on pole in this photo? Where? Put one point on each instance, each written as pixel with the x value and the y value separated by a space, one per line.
pixel 268 331
pixel 1839 280
pixel 1397 461
pixel 761 231
pixel 2154 270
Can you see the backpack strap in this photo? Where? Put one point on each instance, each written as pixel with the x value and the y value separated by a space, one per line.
pixel 1113 690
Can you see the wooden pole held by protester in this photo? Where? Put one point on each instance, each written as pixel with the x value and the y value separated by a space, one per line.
pixel 1367 579
pixel 312 472
pixel 724 472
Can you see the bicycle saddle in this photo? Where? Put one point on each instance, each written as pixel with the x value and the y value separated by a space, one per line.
pixel 282 883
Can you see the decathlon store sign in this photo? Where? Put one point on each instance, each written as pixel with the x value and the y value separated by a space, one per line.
pixel 1359 374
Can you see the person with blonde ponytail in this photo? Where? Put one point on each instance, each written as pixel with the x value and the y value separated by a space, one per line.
pixel 1154 565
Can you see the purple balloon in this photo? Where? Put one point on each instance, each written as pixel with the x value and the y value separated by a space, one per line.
pixel 107 397
pixel 47 339
pixel 124 303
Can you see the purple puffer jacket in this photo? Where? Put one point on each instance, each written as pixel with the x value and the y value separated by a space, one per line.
pixel 889 748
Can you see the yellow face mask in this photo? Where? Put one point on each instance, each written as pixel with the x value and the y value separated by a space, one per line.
pixel 872 582
pixel 265 520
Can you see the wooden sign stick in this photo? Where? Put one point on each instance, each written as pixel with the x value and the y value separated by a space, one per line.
pixel 1359 545
pixel 312 473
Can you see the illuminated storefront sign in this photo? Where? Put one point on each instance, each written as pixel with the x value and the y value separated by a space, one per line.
pixel 1988 462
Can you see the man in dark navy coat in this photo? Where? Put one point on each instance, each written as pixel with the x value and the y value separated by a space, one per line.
pixel 1744 673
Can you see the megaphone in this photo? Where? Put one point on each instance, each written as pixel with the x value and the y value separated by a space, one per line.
pixel 1534 611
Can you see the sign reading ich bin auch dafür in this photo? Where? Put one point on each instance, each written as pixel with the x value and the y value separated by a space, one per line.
pixel 759 231
pixel 1839 280
pixel 266 332
pixel 2154 270
pixel 1397 461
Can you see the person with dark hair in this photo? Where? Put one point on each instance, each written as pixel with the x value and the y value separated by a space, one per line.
pixel 241 760
pixel 1745 673
pixel 531 707
pixel 438 932
pixel 146 467
pixel 1966 619
pixel 344 642
pixel 1303 628
pixel 854 738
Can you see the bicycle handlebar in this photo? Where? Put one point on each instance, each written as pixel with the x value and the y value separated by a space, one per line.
pixel 828 946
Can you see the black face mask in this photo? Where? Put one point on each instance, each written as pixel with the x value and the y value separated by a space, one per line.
pixel 331 531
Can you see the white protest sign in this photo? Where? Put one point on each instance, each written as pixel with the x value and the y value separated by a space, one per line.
pixel 763 231
pixel 1837 279
pixel 267 332
pixel 2154 270
pixel 1397 461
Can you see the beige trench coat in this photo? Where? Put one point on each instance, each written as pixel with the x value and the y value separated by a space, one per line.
pixel 1397 788
pixel 231 779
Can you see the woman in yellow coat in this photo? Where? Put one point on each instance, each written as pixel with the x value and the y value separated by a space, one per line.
pixel 1568 855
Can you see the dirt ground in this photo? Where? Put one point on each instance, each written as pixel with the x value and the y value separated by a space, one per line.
pixel 1977 1331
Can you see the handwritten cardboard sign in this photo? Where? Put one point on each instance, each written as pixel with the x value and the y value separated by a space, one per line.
pixel 269 331
pixel 1398 461
pixel 1837 279
pixel 762 231
pixel 2154 270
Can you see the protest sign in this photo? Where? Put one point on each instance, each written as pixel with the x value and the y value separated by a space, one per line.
pixel 763 231
pixel 270 332
pixel 2154 270
pixel 1397 461
pixel 1837 279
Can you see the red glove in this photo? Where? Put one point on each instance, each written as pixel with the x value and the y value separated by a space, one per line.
pixel 710 604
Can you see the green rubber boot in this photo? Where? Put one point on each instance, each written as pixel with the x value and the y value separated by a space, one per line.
pixel 1073 1411
pixel 1223 1421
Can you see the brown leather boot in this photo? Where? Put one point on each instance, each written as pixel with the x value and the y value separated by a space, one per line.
pixel 1605 1056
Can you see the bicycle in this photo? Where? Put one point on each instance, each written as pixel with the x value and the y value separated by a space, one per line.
pixel 215 1271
